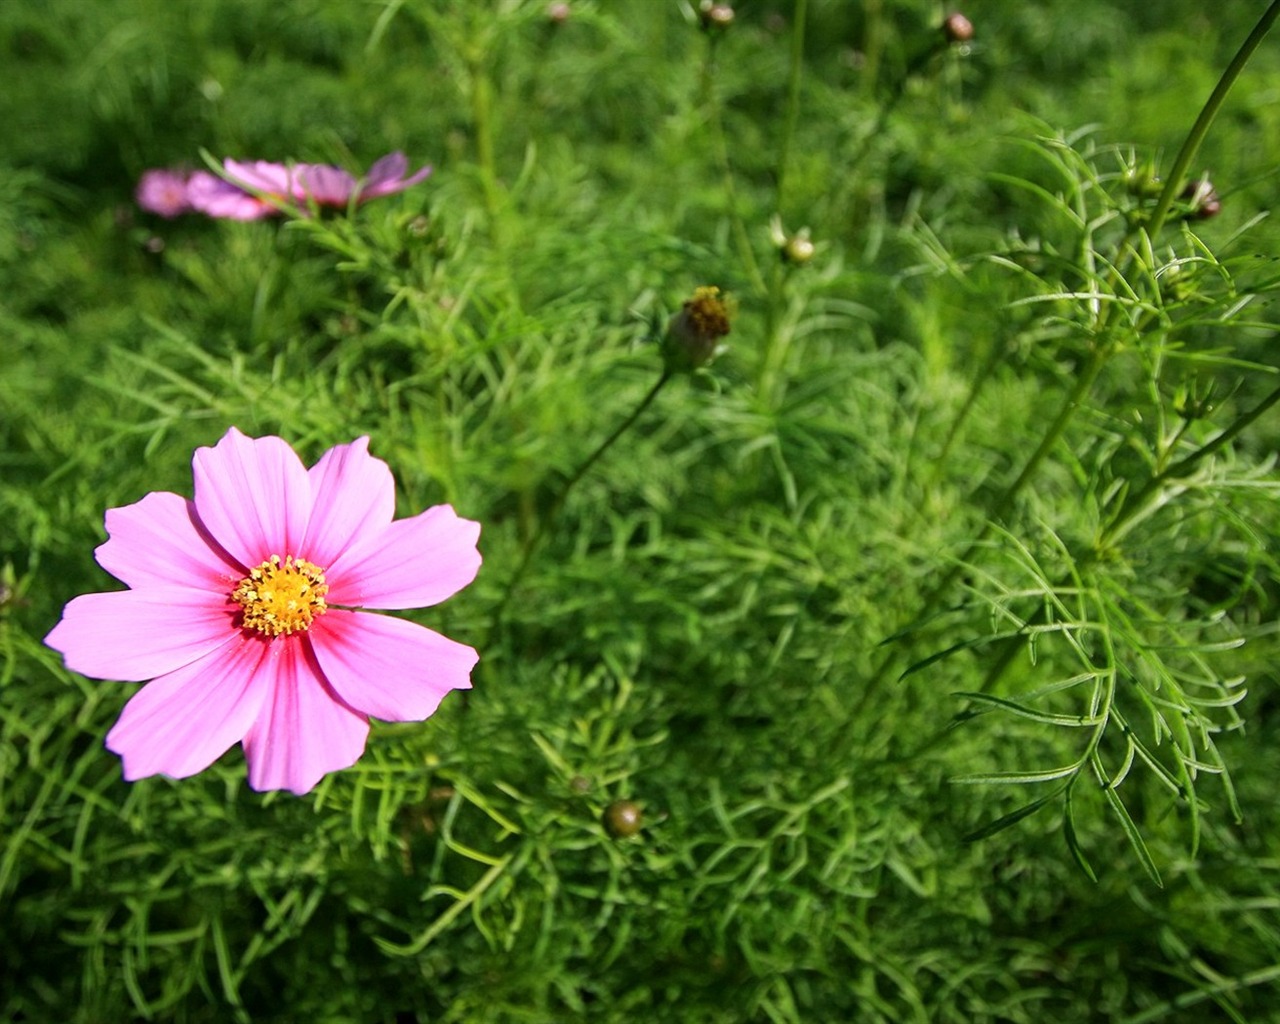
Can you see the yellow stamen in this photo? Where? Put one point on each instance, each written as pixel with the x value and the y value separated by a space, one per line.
pixel 281 596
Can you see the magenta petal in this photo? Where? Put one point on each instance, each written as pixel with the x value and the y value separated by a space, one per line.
pixel 389 668
pixel 411 564
pixel 303 730
pixel 181 723
pixel 140 634
pixel 253 496
pixel 354 495
pixel 159 541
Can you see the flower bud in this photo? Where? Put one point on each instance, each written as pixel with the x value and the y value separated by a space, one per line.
pixel 797 249
pixel 693 334
pixel 1202 198
pixel 558 13
pixel 715 17
pixel 623 819
pixel 957 28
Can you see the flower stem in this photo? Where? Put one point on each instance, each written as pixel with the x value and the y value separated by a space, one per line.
pixel 544 526
pixel 793 99
pixel 1200 129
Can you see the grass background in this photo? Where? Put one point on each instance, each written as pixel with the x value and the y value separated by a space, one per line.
pixel 699 634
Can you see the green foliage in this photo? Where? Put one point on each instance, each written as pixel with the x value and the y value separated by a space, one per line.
pixel 931 629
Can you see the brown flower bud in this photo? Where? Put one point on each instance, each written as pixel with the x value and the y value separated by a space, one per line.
pixel 957 28
pixel 693 335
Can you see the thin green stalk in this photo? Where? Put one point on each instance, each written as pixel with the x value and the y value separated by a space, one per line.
pixel 532 543
pixel 1173 184
pixel 793 100
pixel 482 120
pixel 711 100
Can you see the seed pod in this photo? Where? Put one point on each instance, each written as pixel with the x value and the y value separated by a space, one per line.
pixel 623 819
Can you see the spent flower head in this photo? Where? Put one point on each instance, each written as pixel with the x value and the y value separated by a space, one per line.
pixel 693 335
pixel 251 609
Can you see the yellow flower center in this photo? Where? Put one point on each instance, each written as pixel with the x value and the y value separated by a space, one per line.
pixel 281 596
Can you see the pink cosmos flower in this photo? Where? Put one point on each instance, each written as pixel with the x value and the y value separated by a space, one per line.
pixel 163 192
pixel 244 612
pixel 259 188
pixel 214 197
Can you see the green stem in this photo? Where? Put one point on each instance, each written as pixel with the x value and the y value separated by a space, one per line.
pixel 544 526
pixel 793 99
pixel 726 173
pixel 1212 105
pixel 482 119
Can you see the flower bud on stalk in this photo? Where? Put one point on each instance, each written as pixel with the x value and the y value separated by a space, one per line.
pixel 693 334
pixel 957 28
pixel 1203 199
pixel 715 17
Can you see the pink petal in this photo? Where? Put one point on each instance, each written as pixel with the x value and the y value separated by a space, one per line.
pixel 260 176
pixel 159 541
pixel 389 668
pixel 328 186
pixel 354 497
pixel 214 197
pixel 140 634
pixel 181 723
pixel 253 496
pixel 303 730
pixel 387 176
pixel 411 564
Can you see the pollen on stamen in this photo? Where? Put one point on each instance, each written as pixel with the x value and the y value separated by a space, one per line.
pixel 281 596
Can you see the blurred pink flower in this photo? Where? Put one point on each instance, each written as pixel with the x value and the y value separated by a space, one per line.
pixel 243 611
pixel 214 197
pixel 163 191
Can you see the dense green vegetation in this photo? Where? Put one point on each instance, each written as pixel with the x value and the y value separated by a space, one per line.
pixel 930 629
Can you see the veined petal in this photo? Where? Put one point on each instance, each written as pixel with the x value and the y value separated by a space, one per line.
pixel 133 635
pixel 303 730
pixel 389 668
pixel 354 496
pixel 182 722
pixel 253 496
pixel 160 541
pixel 412 563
